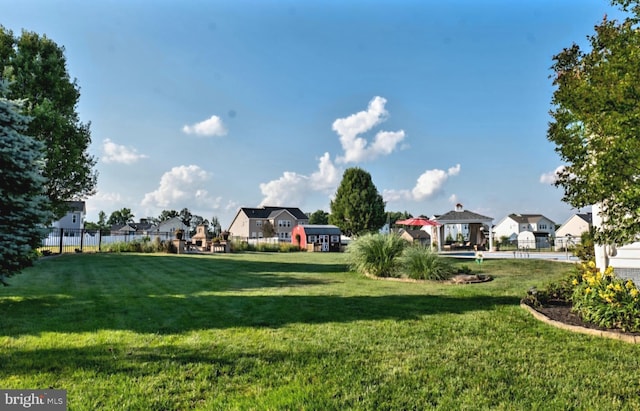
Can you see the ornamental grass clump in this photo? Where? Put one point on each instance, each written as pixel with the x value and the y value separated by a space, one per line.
pixel 376 254
pixel 421 263
pixel 606 300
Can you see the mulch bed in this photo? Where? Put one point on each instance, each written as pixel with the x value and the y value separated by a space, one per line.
pixel 561 311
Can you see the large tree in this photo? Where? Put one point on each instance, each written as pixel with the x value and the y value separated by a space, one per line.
pixel 121 217
pixel 35 67
pixel 319 217
pixel 357 207
pixel 596 124
pixel 23 205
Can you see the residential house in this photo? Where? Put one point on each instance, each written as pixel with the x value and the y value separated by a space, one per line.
pixel 249 222
pixel 144 227
pixel 169 227
pixel 514 224
pixel 316 237
pixel 569 233
pixel 415 236
pixel 73 221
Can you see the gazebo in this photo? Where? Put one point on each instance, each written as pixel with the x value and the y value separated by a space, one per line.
pixel 477 226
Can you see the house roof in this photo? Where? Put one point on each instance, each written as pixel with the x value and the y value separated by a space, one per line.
pixel 462 216
pixel 321 229
pixel 267 211
pixel 170 221
pixel 76 206
pixel 417 234
pixel 527 218
pixel 587 217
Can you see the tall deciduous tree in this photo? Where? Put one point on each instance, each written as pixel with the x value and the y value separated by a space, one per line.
pixel 186 216
pixel 121 217
pixel 358 207
pixel 23 205
pixel 168 214
pixel 215 228
pixel 268 230
pixel 596 121
pixel 398 215
pixel 36 68
pixel 319 217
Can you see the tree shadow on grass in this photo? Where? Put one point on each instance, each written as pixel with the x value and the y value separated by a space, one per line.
pixel 169 315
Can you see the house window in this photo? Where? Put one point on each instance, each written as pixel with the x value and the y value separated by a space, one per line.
pixel 253 234
pixel 74 218
pixel 259 223
pixel 260 234
pixel 335 238
pixel 311 239
pixel 543 226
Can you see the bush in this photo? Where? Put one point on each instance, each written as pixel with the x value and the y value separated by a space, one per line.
pixel 289 247
pixel 585 250
pixel 598 298
pixel 376 254
pixel 268 247
pixel 421 263
pixel 145 245
pixel 606 300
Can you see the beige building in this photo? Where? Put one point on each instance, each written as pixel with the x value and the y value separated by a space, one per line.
pixel 250 222
pixel 569 233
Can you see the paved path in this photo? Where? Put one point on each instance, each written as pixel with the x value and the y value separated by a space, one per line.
pixel 543 255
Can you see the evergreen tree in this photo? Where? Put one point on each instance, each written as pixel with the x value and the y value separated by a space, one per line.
pixel 596 117
pixel 36 68
pixel 23 205
pixel 358 207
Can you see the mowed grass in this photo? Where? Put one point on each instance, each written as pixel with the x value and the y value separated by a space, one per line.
pixel 296 331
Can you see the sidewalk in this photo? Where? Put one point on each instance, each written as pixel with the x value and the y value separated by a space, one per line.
pixel 541 255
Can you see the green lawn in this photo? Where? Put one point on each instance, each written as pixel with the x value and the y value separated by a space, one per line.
pixel 296 331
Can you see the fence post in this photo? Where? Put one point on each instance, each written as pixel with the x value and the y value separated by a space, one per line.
pixel 100 240
pixel 82 239
pixel 61 239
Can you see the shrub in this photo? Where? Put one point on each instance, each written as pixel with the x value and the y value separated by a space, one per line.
pixel 268 247
pixel 585 250
pixel 421 263
pixel 145 245
pixel 289 247
pixel 606 300
pixel 376 254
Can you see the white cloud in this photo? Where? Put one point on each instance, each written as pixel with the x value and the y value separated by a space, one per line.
pixel 181 187
pixel 292 187
pixel 116 153
pixel 552 176
pixel 428 185
pixel 357 148
pixel 453 199
pixel 327 177
pixel 431 182
pixel 212 126
pixel 391 196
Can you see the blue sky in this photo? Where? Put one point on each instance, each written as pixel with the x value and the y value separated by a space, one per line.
pixel 216 105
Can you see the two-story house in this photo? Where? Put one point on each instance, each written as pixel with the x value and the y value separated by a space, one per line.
pixel 514 224
pixel 73 221
pixel 250 222
pixel 569 233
